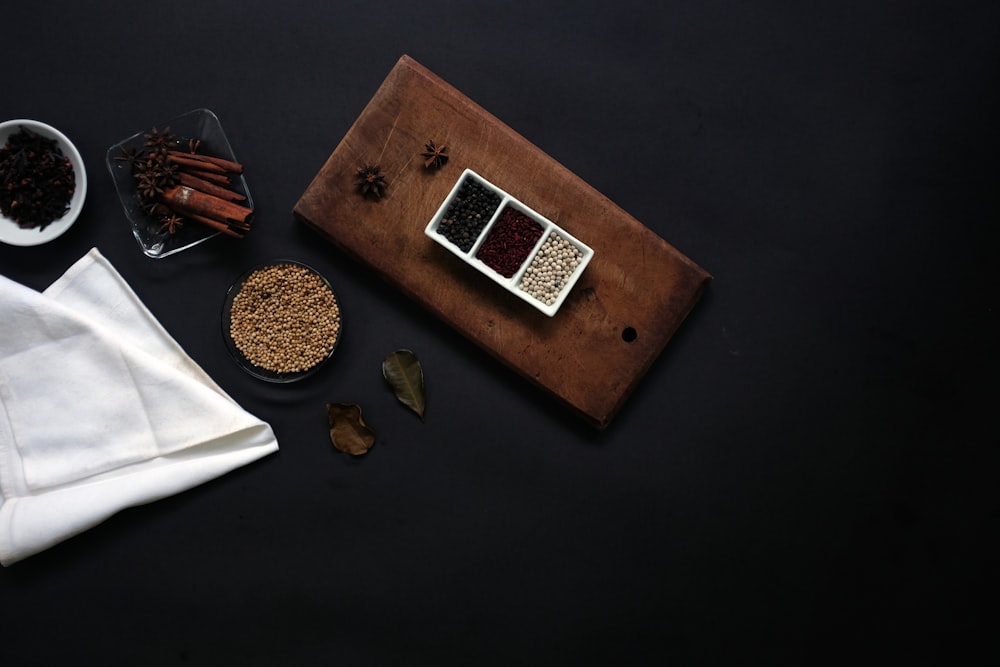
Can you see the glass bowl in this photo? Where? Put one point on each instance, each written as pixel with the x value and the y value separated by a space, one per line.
pixel 199 124
pixel 264 302
pixel 10 232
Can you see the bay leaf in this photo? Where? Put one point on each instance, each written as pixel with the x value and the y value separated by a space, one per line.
pixel 402 370
pixel 348 431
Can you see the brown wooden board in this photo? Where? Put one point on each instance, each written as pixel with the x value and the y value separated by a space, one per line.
pixel 620 315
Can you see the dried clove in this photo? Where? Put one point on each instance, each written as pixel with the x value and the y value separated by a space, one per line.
pixel 37 181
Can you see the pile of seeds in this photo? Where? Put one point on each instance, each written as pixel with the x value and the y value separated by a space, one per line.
pixel 551 268
pixel 285 318
pixel 36 180
pixel 470 210
pixel 509 242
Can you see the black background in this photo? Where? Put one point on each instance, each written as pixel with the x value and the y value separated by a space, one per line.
pixel 807 473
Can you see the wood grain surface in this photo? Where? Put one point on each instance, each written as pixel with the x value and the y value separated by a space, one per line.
pixel 622 312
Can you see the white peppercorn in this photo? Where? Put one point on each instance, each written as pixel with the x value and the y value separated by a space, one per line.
pixel 550 269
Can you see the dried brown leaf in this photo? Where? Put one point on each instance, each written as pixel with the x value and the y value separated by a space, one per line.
pixel 402 370
pixel 348 431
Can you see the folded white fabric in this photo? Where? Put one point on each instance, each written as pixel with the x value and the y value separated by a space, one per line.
pixel 100 409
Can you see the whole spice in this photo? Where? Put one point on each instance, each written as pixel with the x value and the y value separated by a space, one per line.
pixel 285 318
pixel 186 185
pixel 157 139
pixel 434 156
pixel 509 242
pixel 550 269
pixel 37 181
pixel 370 181
pixel 172 223
pixel 228 217
pixel 473 206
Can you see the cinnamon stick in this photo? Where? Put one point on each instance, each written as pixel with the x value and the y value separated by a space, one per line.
pixel 188 202
pixel 215 224
pixel 189 162
pixel 208 187
pixel 219 179
pixel 226 165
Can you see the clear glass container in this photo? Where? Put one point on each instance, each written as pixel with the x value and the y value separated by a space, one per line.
pixel 200 124
pixel 241 359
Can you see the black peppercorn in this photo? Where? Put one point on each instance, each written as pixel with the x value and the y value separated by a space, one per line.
pixel 473 206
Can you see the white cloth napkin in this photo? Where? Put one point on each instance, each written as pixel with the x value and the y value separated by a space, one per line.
pixel 100 409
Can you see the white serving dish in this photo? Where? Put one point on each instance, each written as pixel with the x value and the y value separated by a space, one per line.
pixel 512 283
pixel 10 232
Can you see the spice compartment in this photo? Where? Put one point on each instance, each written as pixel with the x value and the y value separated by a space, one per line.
pixel 510 243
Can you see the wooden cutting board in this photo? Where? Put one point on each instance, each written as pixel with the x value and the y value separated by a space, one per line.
pixel 618 318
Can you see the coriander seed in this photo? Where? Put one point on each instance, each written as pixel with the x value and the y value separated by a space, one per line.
pixel 285 319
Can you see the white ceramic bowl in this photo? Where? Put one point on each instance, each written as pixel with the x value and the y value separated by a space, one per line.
pixel 511 284
pixel 10 233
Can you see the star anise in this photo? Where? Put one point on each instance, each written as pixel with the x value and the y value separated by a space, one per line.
pixel 172 223
pixel 154 173
pixel 130 155
pixel 435 156
pixel 148 185
pixel 156 139
pixel 157 155
pixel 149 165
pixel 371 181
pixel 156 209
pixel 167 174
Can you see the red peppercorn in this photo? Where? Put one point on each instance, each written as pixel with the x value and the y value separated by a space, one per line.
pixel 509 242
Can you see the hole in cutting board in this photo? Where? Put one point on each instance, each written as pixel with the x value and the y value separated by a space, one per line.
pixel 629 334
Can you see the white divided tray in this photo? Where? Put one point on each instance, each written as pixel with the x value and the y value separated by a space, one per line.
pixel 524 261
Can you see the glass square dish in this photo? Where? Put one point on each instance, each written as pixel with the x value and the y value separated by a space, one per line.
pixel 200 124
